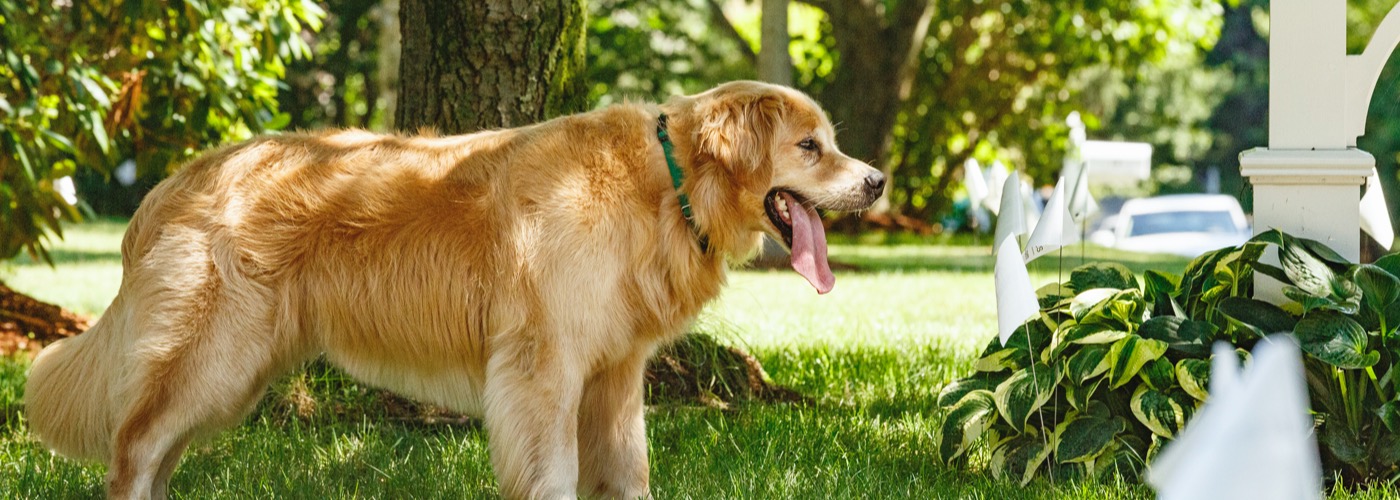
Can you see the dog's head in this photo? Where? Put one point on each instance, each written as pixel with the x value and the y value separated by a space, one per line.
pixel 776 150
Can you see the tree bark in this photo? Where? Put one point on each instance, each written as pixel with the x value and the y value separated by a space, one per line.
pixel 877 50
pixel 774 62
pixel 469 65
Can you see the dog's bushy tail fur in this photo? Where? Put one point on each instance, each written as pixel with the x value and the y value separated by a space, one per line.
pixel 69 398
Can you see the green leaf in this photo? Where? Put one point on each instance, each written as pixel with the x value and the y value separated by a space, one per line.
pixel 1159 412
pixel 1305 270
pixel 966 421
pixel 1079 395
pixel 1390 263
pixel 99 131
pixel 1194 377
pixel 955 390
pixel 1127 356
pixel 1089 362
pixel 1189 337
pixel 1159 374
pixel 1006 359
pixel 1102 336
pixel 1378 287
pixel 1019 458
pixel 1266 317
pixel 278 122
pixel 1088 300
pixel 1387 451
pixel 1335 339
pixel 1158 288
pixel 1389 414
pixel 1083 436
pixel 1024 393
pixel 1102 275
pixel 1342 443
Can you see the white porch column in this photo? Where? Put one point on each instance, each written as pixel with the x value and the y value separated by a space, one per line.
pixel 1307 182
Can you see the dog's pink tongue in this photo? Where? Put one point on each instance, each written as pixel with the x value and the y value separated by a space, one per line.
pixel 809 246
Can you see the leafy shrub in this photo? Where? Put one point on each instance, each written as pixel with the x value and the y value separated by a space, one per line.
pixel 1111 370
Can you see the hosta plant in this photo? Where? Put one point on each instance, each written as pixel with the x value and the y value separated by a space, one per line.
pixel 1112 369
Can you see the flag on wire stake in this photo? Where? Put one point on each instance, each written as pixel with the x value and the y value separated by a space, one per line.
pixel 1011 221
pixel 1253 438
pixel 975 183
pixel 1016 301
pixel 1055 228
pixel 994 179
pixel 1375 216
pixel 1081 203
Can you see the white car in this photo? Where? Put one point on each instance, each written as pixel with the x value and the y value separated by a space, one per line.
pixel 1183 224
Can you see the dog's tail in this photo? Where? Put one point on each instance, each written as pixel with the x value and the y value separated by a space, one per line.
pixel 70 395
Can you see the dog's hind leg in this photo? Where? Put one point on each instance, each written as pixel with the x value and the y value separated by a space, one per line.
pixel 167 468
pixel 194 382
pixel 532 396
pixel 612 431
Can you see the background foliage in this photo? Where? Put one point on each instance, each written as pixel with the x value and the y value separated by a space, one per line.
pixel 89 84
pixel 990 79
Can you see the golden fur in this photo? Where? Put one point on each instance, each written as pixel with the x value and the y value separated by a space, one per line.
pixel 524 275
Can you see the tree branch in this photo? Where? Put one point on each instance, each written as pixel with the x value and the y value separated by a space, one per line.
pixel 717 16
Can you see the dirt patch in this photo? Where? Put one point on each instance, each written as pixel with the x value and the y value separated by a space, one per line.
pixel 28 324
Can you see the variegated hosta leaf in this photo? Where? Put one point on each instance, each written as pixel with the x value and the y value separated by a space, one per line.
pixel 1378 287
pixel 1194 377
pixel 955 390
pixel 1005 359
pixel 1127 356
pixel 1305 270
pixel 1019 458
pixel 1089 362
pixel 1336 340
pixel 1085 435
pixel 1183 335
pixel 1159 374
pixel 1161 413
pixel 1080 394
pixel 966 421
pixel 1102 275
pixel 1264 318
pixel 1087 300
pixel 1025 392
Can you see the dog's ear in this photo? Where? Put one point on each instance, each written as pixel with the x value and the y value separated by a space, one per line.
pixel 737 129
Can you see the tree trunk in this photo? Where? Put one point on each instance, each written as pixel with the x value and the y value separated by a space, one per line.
pixel 875 75
pixel 469 65
pixel 774 62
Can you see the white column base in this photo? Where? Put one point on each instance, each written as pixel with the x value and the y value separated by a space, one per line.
pixel 1313 194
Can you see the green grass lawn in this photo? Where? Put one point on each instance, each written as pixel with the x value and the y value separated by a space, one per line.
pixel 873 354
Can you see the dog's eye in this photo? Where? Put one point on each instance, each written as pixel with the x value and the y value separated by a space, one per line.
pixel 808 144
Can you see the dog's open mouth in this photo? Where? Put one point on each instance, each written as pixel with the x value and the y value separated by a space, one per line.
pixel 801 228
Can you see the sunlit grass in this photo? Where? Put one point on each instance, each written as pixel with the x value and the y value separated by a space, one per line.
pixel 872 354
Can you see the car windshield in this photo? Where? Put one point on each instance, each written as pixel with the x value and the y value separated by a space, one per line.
pixel 1213 222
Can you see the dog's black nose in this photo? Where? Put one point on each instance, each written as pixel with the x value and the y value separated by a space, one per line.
pixel 875 182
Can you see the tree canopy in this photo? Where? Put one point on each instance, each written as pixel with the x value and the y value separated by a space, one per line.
pixel 90 84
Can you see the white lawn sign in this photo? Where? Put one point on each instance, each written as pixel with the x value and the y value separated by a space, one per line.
pixel 1055 228
pixel 1375 215
pixel 1253 438
pixel 1016 301
pixel 1011 220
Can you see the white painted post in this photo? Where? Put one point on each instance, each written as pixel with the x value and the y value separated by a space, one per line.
pixel 1307 181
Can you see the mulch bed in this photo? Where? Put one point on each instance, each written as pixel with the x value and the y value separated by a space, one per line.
pixel 28 324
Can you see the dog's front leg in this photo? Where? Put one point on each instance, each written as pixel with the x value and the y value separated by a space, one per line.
pixel 532 397
pixel 612 432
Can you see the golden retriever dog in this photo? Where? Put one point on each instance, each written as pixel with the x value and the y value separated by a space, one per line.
pixel 523 275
